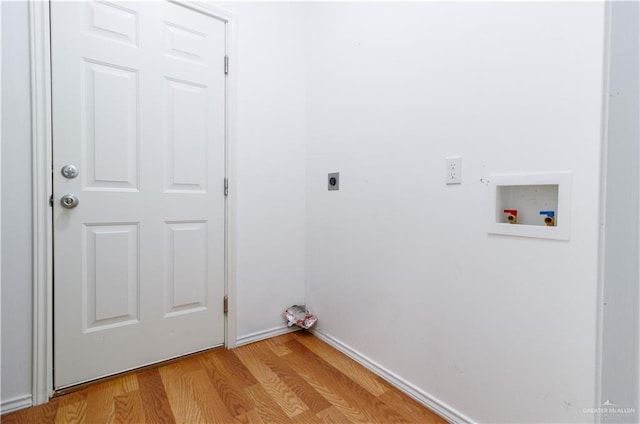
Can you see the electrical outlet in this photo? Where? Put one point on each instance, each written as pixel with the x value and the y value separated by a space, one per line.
pixel 333 181
pixel 453 170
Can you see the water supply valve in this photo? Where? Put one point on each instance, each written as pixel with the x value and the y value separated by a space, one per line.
pixel 512 216
pixel 549 218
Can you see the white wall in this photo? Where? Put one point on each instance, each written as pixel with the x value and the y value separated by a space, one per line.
pixel 621 310
pixel 270 162
pixel 15 368
pixel 399 267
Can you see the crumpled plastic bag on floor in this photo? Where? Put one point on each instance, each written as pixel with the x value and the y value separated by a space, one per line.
pixel 299 315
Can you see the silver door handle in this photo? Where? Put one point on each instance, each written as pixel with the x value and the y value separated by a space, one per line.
pixel 69 201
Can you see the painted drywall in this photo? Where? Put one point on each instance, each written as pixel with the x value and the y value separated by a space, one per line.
pixel 399 266
pixel 270 162
pixel 621 310
pixel 15 366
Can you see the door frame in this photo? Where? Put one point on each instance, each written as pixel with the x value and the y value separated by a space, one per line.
pixel 42 188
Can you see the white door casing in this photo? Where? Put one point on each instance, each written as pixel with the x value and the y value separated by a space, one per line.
pixel 138 106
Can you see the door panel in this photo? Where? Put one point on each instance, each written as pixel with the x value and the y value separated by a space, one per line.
pixel 111 122
pixel 139 109
pixel 186 136
pixel 185 272
pixel 111 281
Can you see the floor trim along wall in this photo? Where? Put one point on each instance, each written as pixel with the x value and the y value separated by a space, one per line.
pixel 439 407
pixel 265 334
pixel 15 404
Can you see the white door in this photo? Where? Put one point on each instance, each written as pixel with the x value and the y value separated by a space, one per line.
pixel 139 110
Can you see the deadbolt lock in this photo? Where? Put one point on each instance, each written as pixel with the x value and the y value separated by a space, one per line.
pixel 69 171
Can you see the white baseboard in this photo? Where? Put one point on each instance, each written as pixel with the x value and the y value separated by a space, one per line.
pixel 439 407
pixel 265 334
pixel 15 404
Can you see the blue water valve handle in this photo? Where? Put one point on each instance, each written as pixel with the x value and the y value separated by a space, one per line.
pixel 549 218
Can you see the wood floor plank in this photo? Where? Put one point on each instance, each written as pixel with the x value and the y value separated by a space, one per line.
pixel 129 383
pixel 180 394
pixel 368 404
pixel 100 399
pixel 374 384
pixel 208 399
pixel 268 410
pixel 45 414
pixel 347 407
pixel 332 416
pixel 154 398
pixel 100 403
pixel 277 346
pixel 305 392
pixel 128 408
pixel 233 364
pixel 249 355
pixel 323 384
pixel 73 408
pixel 291 379
pixel 225 383
pixel 308 417
pixel 251 417
pixel 282 394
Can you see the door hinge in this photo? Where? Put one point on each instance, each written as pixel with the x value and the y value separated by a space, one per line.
pixel 226 186
pixel 225 305
pixel 226 65
pixel 51 200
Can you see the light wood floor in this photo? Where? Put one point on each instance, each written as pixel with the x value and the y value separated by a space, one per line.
pixel 295 378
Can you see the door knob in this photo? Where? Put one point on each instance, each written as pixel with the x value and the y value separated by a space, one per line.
pixel 69 171
pixel 69 201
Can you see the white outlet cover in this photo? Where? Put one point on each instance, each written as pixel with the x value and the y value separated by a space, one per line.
pixel 453 170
